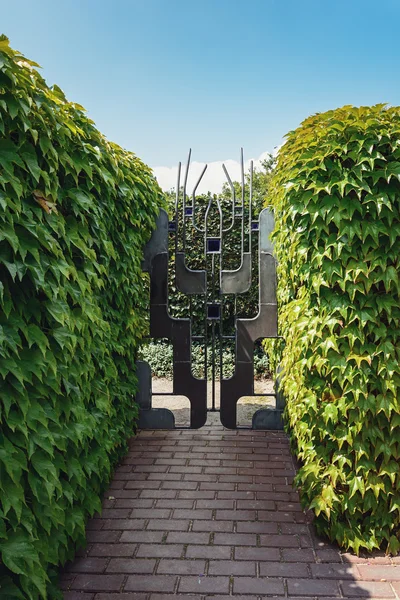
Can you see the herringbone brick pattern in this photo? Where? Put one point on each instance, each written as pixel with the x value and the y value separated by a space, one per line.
pixel 212 513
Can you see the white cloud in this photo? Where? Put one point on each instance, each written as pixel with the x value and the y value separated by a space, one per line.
pixel 213 178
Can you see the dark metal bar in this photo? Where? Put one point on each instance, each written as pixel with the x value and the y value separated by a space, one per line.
pixel 243 194
pixel 250 202
pixel 233 198
pixel 184 201
pixel 194 200
pixel 178 183
pixel 213 366
pixel 205 306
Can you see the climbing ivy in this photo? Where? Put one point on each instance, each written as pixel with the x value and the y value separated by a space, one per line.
pixel 75 213
pixel 336 194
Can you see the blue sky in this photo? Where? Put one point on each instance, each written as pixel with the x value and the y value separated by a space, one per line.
pixel 159 76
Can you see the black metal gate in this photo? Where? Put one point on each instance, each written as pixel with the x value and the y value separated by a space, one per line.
pixel 215 290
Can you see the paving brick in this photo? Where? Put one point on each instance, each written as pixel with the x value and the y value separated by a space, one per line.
pixel 193 462
pixel 188 537
pixel 124 524
pixel 276 517
pixel 244 464
pixel 133 503
pixel 142 485
pixel 158 494
pixel 180 485
pixel 174 503
pixel 94 524
pixel 123 494
pixel 373 558
pixel 156 583
pixel 196 495
pixel 236 479
pixel 150 537
pixel 222 526
pixel 254 487
pixel 150 513
pixel 235 495
pixel 186 470
pixel 217 486
pixel 181 567
pixel 231 567
pixel 275 496
pixel 263 586
pixel 77 596
pixel 160 550
pixel 216 552
pixel 98 583
pixel 255 505
pixel 131 565
pixel 294 528
pixel 116 485
pixel 87 565
pixel 237 515
pixel 171 461
pixel 175 597
pixel 367 589
pixel 235 539
pixel 297 555
pixel 204 585
pixel 180 513
pixel 203 477
pixel 281 569
pixel 310 587
pixel 168 524
pixel 328 555
pixel 337 571
pixel 214 504
pixel 102 536
pixel 252 553
pixel 256 527
pixel 150 469
pixel 121 596
pixel 164 477
pixel 112 550
pixel 280 541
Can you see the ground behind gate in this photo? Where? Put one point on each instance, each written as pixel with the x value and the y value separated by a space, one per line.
pixel 212 513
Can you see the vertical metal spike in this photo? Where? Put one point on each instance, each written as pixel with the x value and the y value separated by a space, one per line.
pixel 250 202
pixel 194 198
pixel 184 199
pixel 178 183
pixel 242 184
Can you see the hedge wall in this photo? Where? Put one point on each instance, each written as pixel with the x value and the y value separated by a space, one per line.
pixel 336 194
pixel 75 213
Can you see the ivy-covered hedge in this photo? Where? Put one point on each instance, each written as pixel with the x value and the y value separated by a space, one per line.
pixel 75 213
pixel 336 193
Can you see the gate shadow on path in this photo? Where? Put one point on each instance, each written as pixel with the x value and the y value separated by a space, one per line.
pixel 212 513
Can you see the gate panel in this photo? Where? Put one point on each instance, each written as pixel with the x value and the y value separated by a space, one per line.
pixel 219 288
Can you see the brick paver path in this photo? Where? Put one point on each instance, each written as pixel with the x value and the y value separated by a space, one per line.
pixel 212 513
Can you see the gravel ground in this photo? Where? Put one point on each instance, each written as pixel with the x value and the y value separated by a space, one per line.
pixel 180 405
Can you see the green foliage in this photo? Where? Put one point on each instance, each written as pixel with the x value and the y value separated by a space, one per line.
pixel 159 355
pixel 336 194
pixel 75 213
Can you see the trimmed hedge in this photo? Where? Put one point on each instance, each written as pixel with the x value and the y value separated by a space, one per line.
pixel 76 211
pixel 336 194
pixel 159 354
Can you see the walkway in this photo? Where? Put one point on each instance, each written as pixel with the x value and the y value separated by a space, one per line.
pixel 212 513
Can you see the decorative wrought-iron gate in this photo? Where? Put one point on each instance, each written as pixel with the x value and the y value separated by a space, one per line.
pixel 215 289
